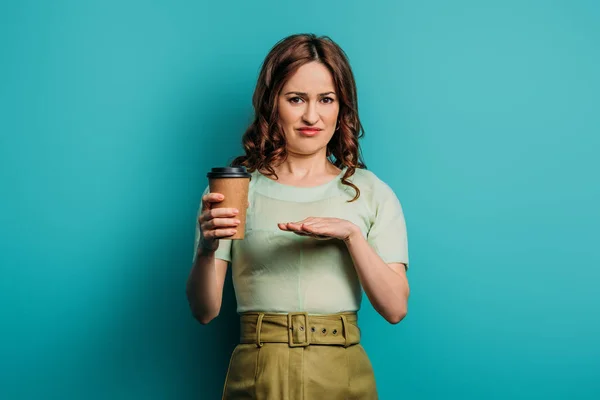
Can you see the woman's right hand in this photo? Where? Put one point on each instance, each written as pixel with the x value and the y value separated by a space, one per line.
pixel 216 223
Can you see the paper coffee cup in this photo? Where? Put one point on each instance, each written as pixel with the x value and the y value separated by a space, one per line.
pixel 233 183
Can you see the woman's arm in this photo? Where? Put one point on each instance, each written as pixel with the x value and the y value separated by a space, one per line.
pixel 386 285
pixel 204 287
pixel 205 282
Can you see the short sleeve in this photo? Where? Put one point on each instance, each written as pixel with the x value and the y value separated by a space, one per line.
pixel 223 251
pixel 387 234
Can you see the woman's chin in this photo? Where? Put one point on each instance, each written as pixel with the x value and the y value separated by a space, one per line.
pixel 304 151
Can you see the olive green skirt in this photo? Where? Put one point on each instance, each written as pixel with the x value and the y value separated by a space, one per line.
pixel 298 356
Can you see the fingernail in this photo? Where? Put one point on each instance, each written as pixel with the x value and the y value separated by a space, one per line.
pixel 237 221
pixel 236 211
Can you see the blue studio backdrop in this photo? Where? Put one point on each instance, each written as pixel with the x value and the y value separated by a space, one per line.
pixel 483 116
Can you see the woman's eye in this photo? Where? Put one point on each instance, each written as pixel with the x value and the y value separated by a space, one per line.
pixel 327 100
pixel 295 100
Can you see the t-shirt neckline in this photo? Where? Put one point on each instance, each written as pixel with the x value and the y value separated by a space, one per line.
pixel 275 189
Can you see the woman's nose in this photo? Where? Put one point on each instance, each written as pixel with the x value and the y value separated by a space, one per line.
pixel 311 116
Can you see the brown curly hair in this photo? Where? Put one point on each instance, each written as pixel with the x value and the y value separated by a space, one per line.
pixel 264 141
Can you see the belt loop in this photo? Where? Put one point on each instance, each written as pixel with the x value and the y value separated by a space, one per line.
pixel 259 328
pixel 345 331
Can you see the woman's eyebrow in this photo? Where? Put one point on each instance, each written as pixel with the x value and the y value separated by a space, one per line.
pixel 306 94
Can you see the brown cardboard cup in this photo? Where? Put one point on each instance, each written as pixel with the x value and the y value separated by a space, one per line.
pixel 233 183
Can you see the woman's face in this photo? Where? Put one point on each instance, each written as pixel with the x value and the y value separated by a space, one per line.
pixel 308 109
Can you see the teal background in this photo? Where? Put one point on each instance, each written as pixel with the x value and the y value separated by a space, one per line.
pixel 483 116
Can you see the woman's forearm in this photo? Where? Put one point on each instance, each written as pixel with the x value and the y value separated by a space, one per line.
pixel 386 288
pixel 203 293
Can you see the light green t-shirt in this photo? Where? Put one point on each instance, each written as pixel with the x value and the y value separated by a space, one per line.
pixel 278 271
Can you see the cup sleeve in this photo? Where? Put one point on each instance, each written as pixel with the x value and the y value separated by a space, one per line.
pixel 387 234
pixel 223 252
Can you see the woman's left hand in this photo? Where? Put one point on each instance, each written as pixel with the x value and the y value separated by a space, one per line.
pixel 322 228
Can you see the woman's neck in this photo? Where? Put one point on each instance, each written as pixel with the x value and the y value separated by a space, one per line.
pixel 297 169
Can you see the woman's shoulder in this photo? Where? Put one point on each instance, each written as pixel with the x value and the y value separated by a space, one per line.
pixel 254 175
pixel 368 180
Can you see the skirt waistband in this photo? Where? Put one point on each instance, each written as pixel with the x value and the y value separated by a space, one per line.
pixel 300 329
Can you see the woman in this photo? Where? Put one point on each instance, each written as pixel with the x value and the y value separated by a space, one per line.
pixel 319 227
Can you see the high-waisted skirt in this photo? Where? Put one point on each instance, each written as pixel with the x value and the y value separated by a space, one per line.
pixel 298 356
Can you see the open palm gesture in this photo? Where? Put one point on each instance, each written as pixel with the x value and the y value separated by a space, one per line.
pixel 321 228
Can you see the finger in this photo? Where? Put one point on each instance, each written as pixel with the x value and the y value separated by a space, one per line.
pixel 301 222
pixel 317 230
pixel 213 197
pixel 282 226
pixel 219 233
pixel 312 227
pixel 219 212
pixel 210 198
pixel 293 227
pixel 220 223
pixel 311 221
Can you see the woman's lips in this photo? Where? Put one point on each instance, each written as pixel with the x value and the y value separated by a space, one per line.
pixel 309 131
